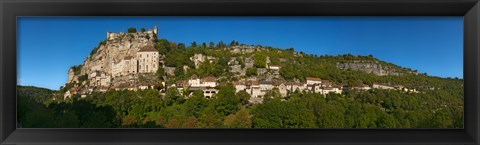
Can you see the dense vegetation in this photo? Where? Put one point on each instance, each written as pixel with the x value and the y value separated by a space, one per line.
pixel 357 109
pixel 438 105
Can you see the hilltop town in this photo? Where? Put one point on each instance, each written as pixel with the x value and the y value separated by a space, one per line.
pixel 135 79
pixel 130 61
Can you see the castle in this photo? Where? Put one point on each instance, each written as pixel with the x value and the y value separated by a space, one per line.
pixel 146 59
pixel 121 57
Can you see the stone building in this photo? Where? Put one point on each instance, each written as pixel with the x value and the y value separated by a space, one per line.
pixel 312 81
pixel 148 59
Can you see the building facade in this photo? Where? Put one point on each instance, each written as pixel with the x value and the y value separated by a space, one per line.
pixel 147 59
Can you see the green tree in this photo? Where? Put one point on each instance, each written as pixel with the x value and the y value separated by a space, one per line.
pixel 243 96
pixel 132 30
pixel 226 100
pixel 172 96
pixel 196 103
pixel 211 45
pixel 241 119
pixel 259 60
pixel 279 114
pixel 251 71
pixel 233 43
pixel 194 44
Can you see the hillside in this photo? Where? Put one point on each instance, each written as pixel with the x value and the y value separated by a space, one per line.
pixel 135 80
pixel 115 64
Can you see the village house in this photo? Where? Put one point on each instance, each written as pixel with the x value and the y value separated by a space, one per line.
pixel 332 89
pixel 312 81
pixel 293 86
pixel 282 88
pixel 195 81
pixel 275 69
pixel 265 86
pixel 207 85
pixel 208 92
pixel 99 79
pixel 209 81
pixel 252 87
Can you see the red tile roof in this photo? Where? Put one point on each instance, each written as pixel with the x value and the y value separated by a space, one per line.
pixel 209 79
pixel 313 79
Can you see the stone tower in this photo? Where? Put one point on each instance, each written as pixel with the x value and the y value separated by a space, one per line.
pixel 155 30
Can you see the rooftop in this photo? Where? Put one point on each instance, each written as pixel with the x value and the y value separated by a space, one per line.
pixel 209 79
pixel 148 48
pixel 313 79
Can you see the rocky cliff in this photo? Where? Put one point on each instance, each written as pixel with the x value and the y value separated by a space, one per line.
pixel 96 71
pixel 374 67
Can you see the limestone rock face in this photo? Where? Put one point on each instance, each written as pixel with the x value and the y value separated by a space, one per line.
pixel 114 50
pixel 371 67
pixel 70 75
pixel 198 59
pixel 170 71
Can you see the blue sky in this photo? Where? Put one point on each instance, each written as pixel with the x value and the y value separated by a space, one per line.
pixel 48 46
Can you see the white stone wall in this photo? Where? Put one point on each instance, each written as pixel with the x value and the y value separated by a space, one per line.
pixel 117 68
pixel 209 92
pixel 311 82
pixel 147 62
pixel 266 87
pixel 209 84
pixel 239 88
pixel 255 91
pixel 130 66
pixel 194 83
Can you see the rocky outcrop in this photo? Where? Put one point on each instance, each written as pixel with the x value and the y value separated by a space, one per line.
pixel 373 67
pixel 71 75
pixel 112 55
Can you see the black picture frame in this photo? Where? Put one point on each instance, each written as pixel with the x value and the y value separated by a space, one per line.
pixel 11 9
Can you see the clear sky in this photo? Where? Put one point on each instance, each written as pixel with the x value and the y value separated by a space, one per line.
pixel 48 46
